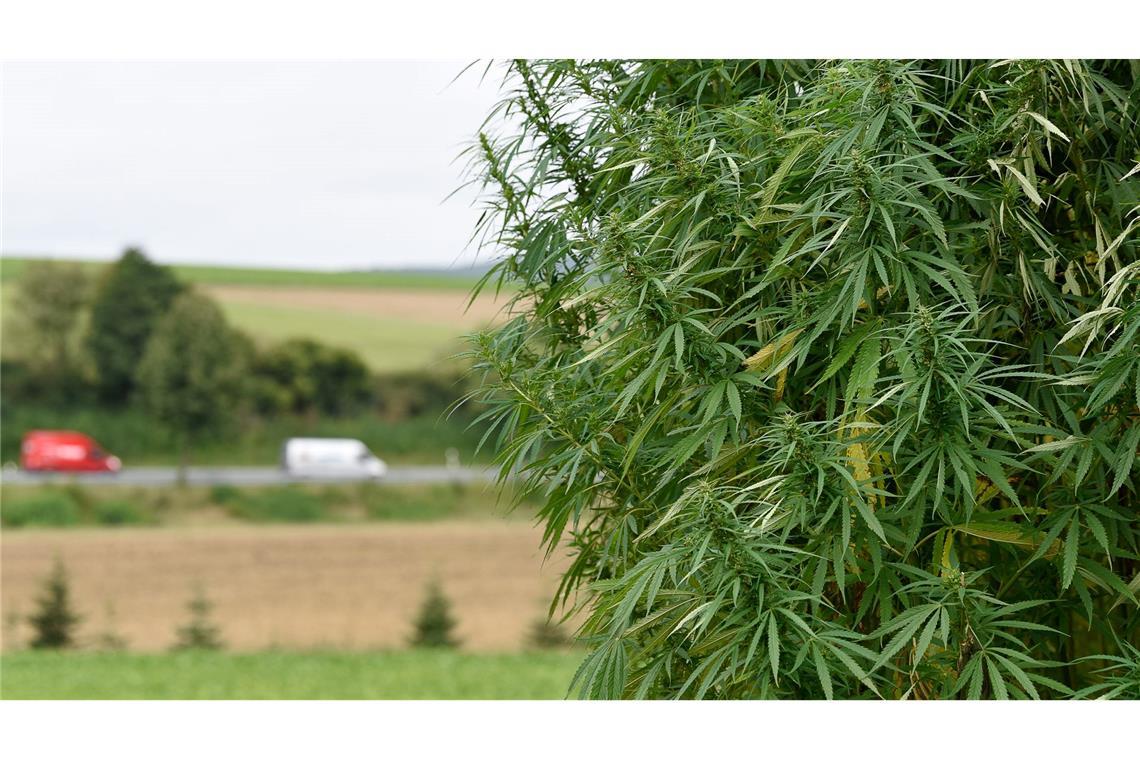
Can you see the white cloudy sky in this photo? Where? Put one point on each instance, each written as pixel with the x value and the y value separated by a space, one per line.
pixel 307 165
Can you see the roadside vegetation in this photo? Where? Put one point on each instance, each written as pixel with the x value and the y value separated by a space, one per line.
pixel 417 438
pixel 59 506
pixel 829 370
pixel 132 344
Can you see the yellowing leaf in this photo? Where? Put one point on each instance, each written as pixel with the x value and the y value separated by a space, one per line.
pixel 772 352
pixel 1008 533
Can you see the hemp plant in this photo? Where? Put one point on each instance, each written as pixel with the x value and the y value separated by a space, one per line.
pixel 826 373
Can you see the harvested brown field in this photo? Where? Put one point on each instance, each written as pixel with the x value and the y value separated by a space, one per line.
pixel 433 306
pixel 293 587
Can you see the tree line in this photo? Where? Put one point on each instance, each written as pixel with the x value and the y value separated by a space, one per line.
pixel 138 337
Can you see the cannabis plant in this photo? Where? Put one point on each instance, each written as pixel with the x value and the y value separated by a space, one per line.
pixel 827 373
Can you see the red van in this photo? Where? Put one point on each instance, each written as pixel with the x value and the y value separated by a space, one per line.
pixel 65 451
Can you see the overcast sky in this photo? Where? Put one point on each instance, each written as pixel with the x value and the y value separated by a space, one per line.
pixel 306 165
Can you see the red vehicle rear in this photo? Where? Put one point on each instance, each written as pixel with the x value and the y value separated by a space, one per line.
pixel 65 451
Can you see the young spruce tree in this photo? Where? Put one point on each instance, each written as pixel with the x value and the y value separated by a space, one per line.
pixel 434 626
pixel 54 621
pixel 827 373
pixel 199 632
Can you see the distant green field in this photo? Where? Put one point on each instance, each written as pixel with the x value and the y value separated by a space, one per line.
pixel 287 675
pixel 384 343
pixel 422 325
pixel 11 268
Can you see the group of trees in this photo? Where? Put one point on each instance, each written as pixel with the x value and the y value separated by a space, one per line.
pixel 140 336
pixel 828 372
pixel 55 621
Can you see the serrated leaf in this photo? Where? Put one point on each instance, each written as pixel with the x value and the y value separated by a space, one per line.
pixel 925 638
pixel 869 518
pixel 865 371
pixel 1096 527
pixel 1069 554
pixel 1049 126
pixel 844 351
pixel 733 396
pixel 1125 458
pixel 976 680
pixel 822 672
pixel 679 345
pixel 996 680
pixel 774 647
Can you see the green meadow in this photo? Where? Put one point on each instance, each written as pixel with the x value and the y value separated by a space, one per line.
pixel 12 267
pixel 385 343
pixel 414 674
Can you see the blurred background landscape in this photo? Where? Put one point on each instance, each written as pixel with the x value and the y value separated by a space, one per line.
pixel 424 584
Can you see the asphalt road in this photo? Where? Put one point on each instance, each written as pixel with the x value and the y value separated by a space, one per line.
pixel 245 476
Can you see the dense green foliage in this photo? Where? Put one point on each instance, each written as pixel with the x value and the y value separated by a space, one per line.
pixel 434 626
pixel 117 512
pixel 56 507
pixel 287 504
pixel 45 508
pixel 46 311
pixel 192 377
pixel 300 376
pixel 54 620
pixel 130 299
pixel 829 372
pixel 418 674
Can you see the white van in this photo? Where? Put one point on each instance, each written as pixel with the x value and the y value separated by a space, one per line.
pixel 330 458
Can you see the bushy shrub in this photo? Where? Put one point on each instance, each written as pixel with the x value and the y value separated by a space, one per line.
pixel 224 493
pixel 302 375
pixel 287 504
pixel 27 383
pixel 407 395
pixel 410 504
pixel 827 372
pixel 434 626
pixel 50 508
pixel 117 512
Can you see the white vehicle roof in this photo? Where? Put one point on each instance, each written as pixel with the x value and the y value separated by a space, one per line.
pixel 324 441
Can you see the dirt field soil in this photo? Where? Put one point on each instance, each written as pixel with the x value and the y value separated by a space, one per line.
pixel 352 587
